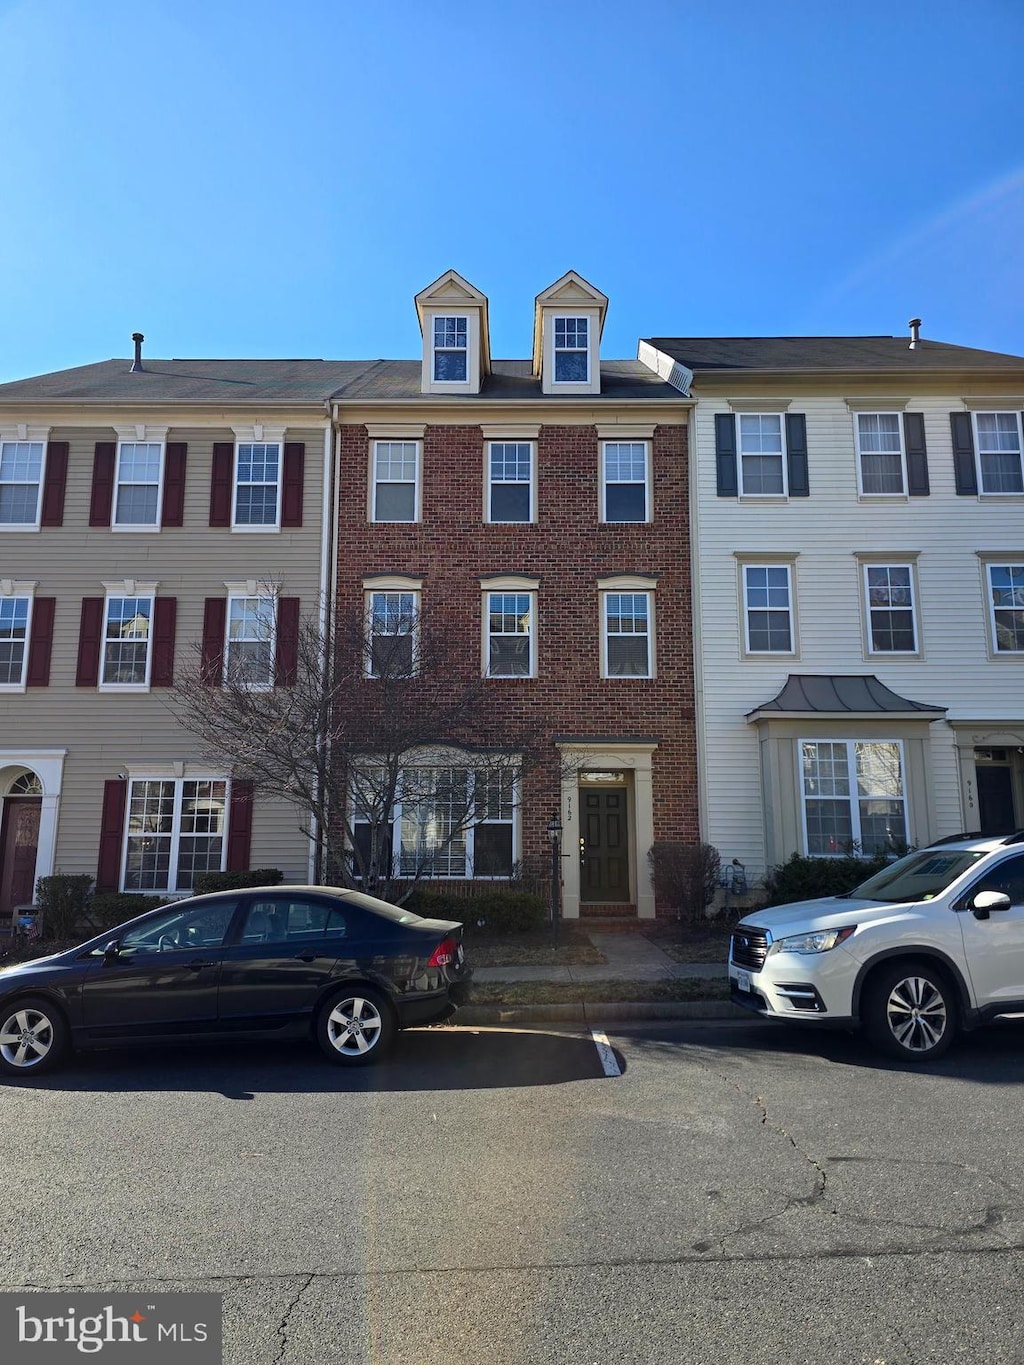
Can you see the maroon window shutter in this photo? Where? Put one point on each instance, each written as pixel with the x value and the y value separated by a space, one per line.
pixel 240 827
pixel 215 619
pixel 40 642
pixel 89 638
pixel 54 482
pixel 173 513
pixel 220 483
pixel 108 868
pixel 165 617
pixel 294 475
pixel 286 659
pixel 102 501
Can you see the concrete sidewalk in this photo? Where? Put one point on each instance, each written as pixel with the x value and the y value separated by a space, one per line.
pixel 630 957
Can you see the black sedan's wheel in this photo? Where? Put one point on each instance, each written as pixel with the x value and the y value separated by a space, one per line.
pixel 33 1036
pixel 355 1027
pixel 910 1011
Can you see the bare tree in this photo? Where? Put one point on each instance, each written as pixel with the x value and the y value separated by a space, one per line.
pixel 371 723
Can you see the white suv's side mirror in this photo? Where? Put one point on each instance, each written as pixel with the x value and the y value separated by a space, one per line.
pixel 985 902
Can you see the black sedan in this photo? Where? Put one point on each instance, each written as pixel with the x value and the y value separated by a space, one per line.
pixel 271 962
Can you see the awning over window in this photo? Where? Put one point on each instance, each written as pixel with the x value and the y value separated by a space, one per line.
pixel 841 694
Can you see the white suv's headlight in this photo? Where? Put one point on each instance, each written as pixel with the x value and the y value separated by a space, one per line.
pixel 819 942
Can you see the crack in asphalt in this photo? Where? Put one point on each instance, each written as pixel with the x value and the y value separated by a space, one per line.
pixel 282 1327
pixel 909 1252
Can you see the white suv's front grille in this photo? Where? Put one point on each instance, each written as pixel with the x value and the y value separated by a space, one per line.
pixel 749 948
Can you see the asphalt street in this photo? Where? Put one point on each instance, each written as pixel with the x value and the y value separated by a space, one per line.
pixel 738 1193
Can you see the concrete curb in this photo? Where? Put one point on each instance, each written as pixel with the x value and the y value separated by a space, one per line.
pixel 598 1011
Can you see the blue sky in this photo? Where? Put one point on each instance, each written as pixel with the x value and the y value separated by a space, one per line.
pixel 279 180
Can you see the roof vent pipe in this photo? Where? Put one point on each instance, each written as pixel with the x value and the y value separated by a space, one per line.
pixel 138 338
pixel 915 332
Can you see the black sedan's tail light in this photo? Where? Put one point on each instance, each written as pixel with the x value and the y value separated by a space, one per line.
pixel 444 954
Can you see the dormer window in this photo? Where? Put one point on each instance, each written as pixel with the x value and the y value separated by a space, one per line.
pixel 451 349
pixel 572 350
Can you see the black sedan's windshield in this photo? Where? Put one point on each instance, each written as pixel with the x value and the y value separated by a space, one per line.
pixel 918 876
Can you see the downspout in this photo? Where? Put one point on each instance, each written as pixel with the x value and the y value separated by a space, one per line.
pixel 328 574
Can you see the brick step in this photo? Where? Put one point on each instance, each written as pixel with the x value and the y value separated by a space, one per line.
pixel 609 918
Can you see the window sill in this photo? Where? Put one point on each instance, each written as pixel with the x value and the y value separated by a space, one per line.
pixel 13 687
pixel 19 526
pixel 764 499
pixel 146 528
pixel 875 498
pixel 140 688
pixel 256 530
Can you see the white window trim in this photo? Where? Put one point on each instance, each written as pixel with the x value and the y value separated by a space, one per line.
pixel 997 412
pixel 784 456
pixel 637 587
pixel 417 443
pixel 890 562
pixel 175 774
pixel 862 492
pixel 20 588
pixel 127 588
pixel 470 873
pixel 24 435
pixel 264 594
pixel 990 562
pixel 767 562
pixel 392 584
pixel 556 350
pixel 648 481
pixel 854 797
pixel 488 482
pixel 434 349
pixel 263 436
pixel 511 584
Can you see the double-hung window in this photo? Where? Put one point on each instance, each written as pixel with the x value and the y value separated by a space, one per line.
pixel 1006 607
pixel 768 609
pixel 853 796
pixel 175 830
pixel 14 623
pixel 395 481
pixel 628 636
pixel 137 484
pixel 881 459
pixel 251 640
pixel 625 481
pixel 510 634
pixel 448 822
pixel 451 349
pixel 21 477
pixel 127 635
pixel 998 443
pixel 393 620
pixel 257 490
pixel 510 479
pixel 572 350
pixel 762 455
pixel 889 597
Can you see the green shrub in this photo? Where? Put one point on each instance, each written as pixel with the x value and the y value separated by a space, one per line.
pixel 114 907
pixel 61 900
pixel 801 878
pixel 237 881
pixel 502 912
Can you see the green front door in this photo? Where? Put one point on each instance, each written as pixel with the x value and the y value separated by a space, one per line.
pixel 604 846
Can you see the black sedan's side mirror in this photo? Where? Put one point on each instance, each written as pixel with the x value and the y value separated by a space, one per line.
pixel 985 902
pixel 112 950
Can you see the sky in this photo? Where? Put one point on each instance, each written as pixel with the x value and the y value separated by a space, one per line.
pixel 266 179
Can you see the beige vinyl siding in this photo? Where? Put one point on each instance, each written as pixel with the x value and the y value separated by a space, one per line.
pixel 105 733
pixel 823 531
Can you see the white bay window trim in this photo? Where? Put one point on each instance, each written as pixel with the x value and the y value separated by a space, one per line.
pixel 850 789
pixel 176 823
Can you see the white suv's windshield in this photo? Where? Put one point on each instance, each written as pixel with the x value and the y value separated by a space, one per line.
pixel 918 876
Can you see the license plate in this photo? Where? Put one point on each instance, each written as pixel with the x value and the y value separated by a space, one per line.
pixel 742 980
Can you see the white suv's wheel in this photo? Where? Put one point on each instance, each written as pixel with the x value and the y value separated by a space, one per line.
pixel 910 1011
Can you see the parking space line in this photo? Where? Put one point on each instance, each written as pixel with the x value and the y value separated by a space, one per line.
pixel 606 1053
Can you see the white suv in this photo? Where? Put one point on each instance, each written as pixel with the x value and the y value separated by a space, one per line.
pixel 932 943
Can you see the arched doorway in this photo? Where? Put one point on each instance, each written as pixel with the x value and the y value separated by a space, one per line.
pixel 19 842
